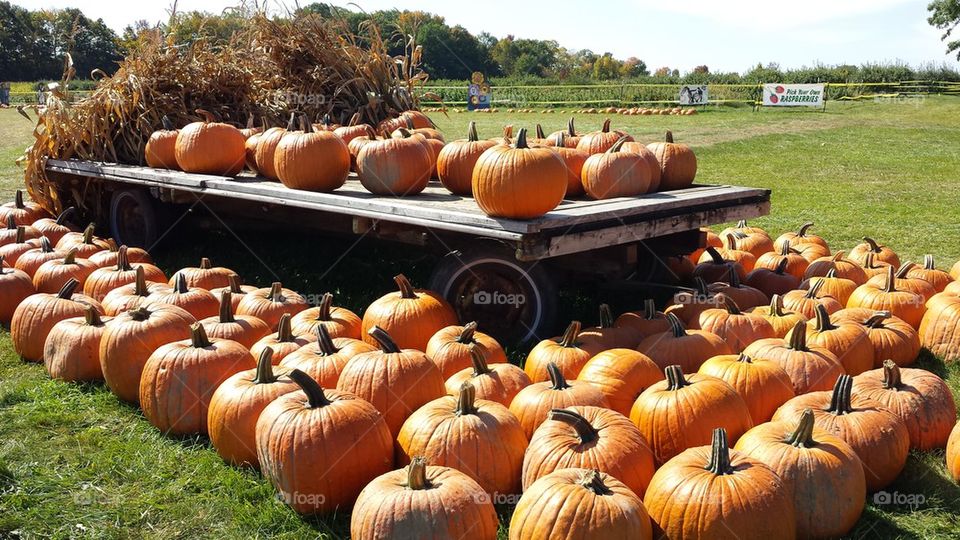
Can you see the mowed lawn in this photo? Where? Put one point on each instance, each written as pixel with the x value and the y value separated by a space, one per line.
pixel 76 463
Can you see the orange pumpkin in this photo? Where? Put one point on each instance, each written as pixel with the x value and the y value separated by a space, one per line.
pixel 204 276
pixel 737 328
pixel 395 166
pixel 940 327
pixel 210 147
pixel 411 316
pixel 494 382
pixel 880 253
pixel 244 329
pixel 615 173
pixel 271 303
pixel 752 239
pixel 30 260
pixel 103 280
pixel 730 253
pixel 642 324
pixel 84 242
pixel 678 163
pixel 892 337
pixel 574 160
pixel 325 358
pixel 809 368
pixel 198 302
pixel 688 348
pixel 872 267
pixel 745 296
pixel 621 375
pixel 843 268
pixel 830 285
pixel 800 237
pixel 848 341
pixel 456 160
pixel 51 275
pixel 339 322
pixel 532 404
pixel 598 142
pixel 236 290
pixel 71 351
pixel 283 341
pixel 109 256
pixel 905 282
pixel 311 160
pixel 130 295
pixel 20 211
pixel 652 163
pixel 15 287
pixel 265 154
pixel 782 320
pixel 806 302
pixel 37 314
pixel 773 282
pixel 21 244
pixel 902 303
pixel 451 348
pixel 714 267
pixel 161 149
pixel 762 384
pixel 796 264
pixel 953 453
pixel 16 233
pixel 570 136
pixel 566 352
pixel 929 272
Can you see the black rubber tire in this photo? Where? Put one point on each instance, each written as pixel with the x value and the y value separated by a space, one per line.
pixel 134 219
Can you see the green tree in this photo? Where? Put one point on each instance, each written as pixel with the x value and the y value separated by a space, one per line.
pixel 606 67
pixel 945 15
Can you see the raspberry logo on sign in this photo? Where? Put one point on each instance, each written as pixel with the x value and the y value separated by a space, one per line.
pixel 780 89
pixel 774 99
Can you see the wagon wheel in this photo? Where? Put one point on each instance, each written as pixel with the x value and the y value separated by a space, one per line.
pixel 134 218
pixel 511 300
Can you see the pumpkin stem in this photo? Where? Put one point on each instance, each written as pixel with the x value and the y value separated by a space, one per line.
pixel 715 256
pixel 323 308
pixel 18 199
pixel 735 280
pixel 234 281
pixel 540 133
pixel 569 338
pixel 649 309
pixel 905 269
pixel 521 139
pixel 264 373
pixel 205 263
pixel 466 400
pixel 785 248
pixel 21 234
pixel 325 342
pixel 140 313
pixel 802 437
pixel 123 263
pixel 472 134
pixel 45 245
pixel 676 326
pixel 606 316
pixel 198 337
pixel 720 453
pixel 606 126
pixel 802 231
pixel 838 256
pixel 92 316
pixel 585 431
pixel 479 361
pixel 292 122
pixel 559 140
pixel 180 284
pixel 572 132
pixel 874 247
pixel 669 138
pixel 315 396
pixel 618 145
pixel 556 377
pixel 891 375
pixel 776 306
pixel 840 399
pixel 88 234
pixel 593 481
pixel 386 343
pixel 140 283
pixel 730 241
pixel 466 335
pixel 798 337
pixel 782 266
pixel 823 319
pixel 276 292
pixel 226 307
pixel 249 120
pixel 744 358
pixel 306 126
pixel 406 289
pixel 876 320
pixel 166 123
pixel 891 284
pixel 675 378
pixel 66 292
pixel 70 257
pixel 417 473
pixel 284 330
pixel 814 290
pixel 928 263
pixel 11 223
pixel 831 273
pixel 702 287
pixel 742 224
pixel 729 304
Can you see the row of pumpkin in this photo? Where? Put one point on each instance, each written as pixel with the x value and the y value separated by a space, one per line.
pixel 650 419
pixel 626 111
pixel 518 178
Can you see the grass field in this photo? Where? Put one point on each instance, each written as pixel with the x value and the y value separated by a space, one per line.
pixel 75 463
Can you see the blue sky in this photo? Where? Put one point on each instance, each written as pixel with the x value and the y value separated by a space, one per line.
pixel 727 36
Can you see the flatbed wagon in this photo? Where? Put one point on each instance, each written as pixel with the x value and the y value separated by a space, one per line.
pixel 501 272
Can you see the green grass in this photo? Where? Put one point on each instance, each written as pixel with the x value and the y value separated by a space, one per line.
pixel 76 463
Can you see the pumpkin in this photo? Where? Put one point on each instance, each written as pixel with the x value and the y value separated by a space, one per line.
pixel 423 502
pixel 396 381
pixel 598 142
pixel 652 163
pixel 920 398
pixel 906 305
pixel 579 503
pixel 250 152
pixel 236 405
pixel 730 253
pixel 892 337
pixel 955 270
pixel 236 290
pixel 762 384
pixel 745 296
pixel 830 285
pixel 395 166
pixel 782 320
pixel 418 119
pixel 20 211
pixel 800 237
pixel 878 436
pixel 353 130
pixel 271 303
pixel 574 160
pixel 714 492
pixel 796 264
pixel 621 375
pixel 566 352
pixel 37 314
pixel 319 448
pixel 356 144
pixel 519 181
pixel 805 302
pixel 266 151
pixel 589 438
pixel 21 244
pixel 773 282
pixel 880 253
pixel 51 275
pixel 71 351
pixel 283 341
pixel 848 341
pixel 710 238
pixel 737 328
pixel 825 473
pixel 688 348
pixel 464 433
pixel 200 303
pixel 204 276
pixel 31 259
pixel 904 282
pixel 687 304
pixel 940 327
pixel 16 233
pixel 250 130
pixel 613 173
pixel 929 272
pixel 209 147
pixel 325 357
pixel 872 267
pixel 532 404
pixel 811 252
pixel 456 160
pixel 325 124
pixel 606 335
pixel 244 329
pixel 84 242
pixel 678 163
pixel 103 280
pixel 109 256
pixel 161 149
pixel 809 368
pixel 130 339
pixel 843 268
pixel 499 382
pixel 953 453
pixel 130 295
pixel 570 136
pixel 714 267
pixel 642 324
pixel 15 287
pixel 411 316
pixel 340 322
pixel 312 160
pixel 680 412
pixel 180 377
pixel 450 348
pixel 752 239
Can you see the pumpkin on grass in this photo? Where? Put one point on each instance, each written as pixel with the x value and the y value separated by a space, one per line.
pixel 940 327
pixel 204 276
pixel 21 244
pixel 906 305
pixel 532 404
pixel 456 160
pixel 763 385
pixel 598 142
pixel 802 236
pixel 22 212
pixel 311 160
pixel 236 405
pixel 15 287
pixel 614 173
pixel 84 242
pixel 929 272
pixel 811 252
pixel 130 339
pixel 30 260
pixel 878 436
pixel 340 322
pixel 421 501
pixel 325 357
pixel 499 382
pixel 180 377
pixel 892 338
pixel 806 302
pixel 752 239
pixel 108 257
pixel 843 268
pixel 244 329
pixel 37 314
pixel 880 253
pixel 953 453
pixel 132 294
pixel 678 163
pixel 161 149
pixel 715 492
pixel 103 280
pixel 824 472
pixel 579 503
pixel 14 233
pixel 688 348
pixel 643 323
pixel 621 375
pixel 606 335
pixel 53 274
pixel 872 267
pixel 71 351
pixel 271 303
pixel 830 285
pixel 773 282
pixel 904 282
pixel 809 368
pixel 687 304
pixel 737 328
pixel 779 318
pixel 848 341
pixel 319 448
pixel 395 166
pixel 210 147
pixel 574 160
pixel 681 411
pixel 920 398
pixel 411 316
pixel 198 302
pixel 589 438
pixel 451 348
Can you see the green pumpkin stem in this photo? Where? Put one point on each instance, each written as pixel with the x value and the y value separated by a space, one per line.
pixel 226 307
pixel 560 140
pixel 729 304
pixel 406 289
pixel 570 335
pixel 88 234
pixel 675 378
pixel 386 343
pixel 323 308
pixel 831 273
pixel 21 234
pixel 815 287
pixel 18 199
pixel 479 361
pixel 802 231
pixel 472 134
pixel 606 126
pixel 557 380
pixel 325 343
pixel 585 431
pixel 720 454
pixel 802 437
pixel 891 375
pixel 785 248
pixel 466 335
pixel 676 326
pixel 264 373
pixel 70 257
pixel 285 330
pixel 891 283
pixel 198 337
pixel 466 400
pixel 540 133
pixel 123 261
pixel 730 242
pixel 876 320
pixel 798 337
pixel 824 323
pixel 66 292
pixel 315 396
pixel 905 269
pixel 417 474
pixel 92 317
pixel 570 128
pixel 45 245
pixel 872 244
pixel 840 399
pixel 617 146
pixel 776 306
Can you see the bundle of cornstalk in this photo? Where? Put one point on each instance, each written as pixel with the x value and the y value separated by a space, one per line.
pixel 271 67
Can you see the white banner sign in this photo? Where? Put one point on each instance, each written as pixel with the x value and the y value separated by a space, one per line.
pixel 693 95
pixel 793 95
